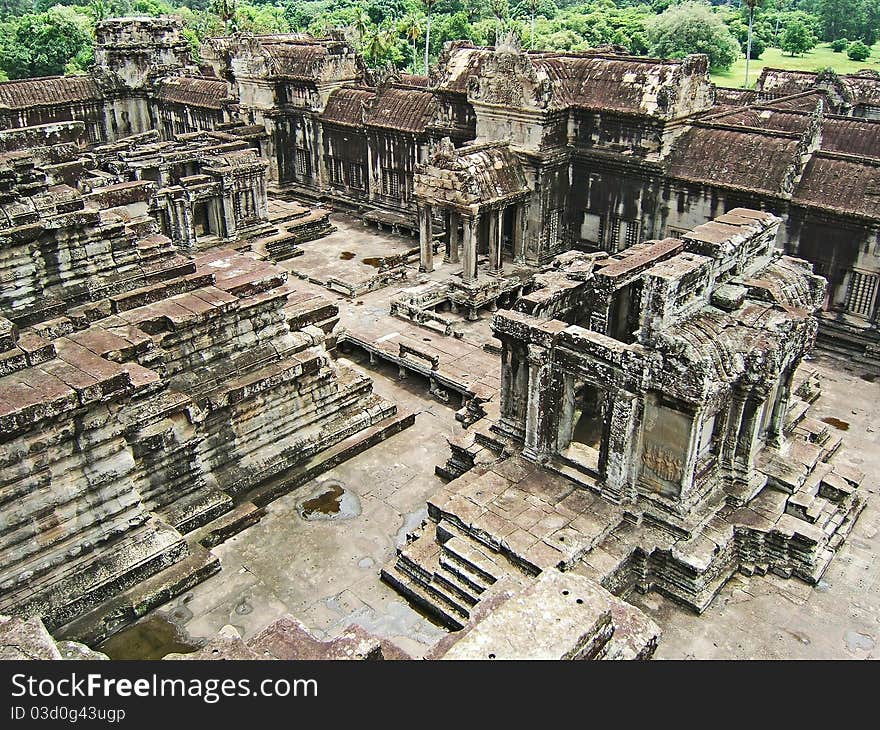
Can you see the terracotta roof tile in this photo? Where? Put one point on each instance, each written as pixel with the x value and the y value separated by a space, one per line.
pixel 346 106
pixel 48 90
pixel 194 91
pixel 402 109
pixel 753 160
pixel 842 184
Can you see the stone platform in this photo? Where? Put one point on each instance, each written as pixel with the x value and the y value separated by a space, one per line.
pixel 506 519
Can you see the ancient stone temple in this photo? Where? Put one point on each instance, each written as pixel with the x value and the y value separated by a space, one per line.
pixel 618 268
pixel 661 384
pixel 621 148
pixel 148 388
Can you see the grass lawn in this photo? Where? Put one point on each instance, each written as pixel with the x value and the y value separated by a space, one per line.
pixel 820 57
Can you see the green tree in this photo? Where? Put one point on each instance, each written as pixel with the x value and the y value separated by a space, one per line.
pixel 42 44
pixel 751 5
pixel 797 39
pixel 376 45
pixel 693 28
pixel 532 7
pixel 411 28
pixel 501 11
pixel 225 10
pixel 858 51
pixel 99 10
pixel 428 6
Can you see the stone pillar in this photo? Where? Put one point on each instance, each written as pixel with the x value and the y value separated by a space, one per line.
pixel 734 420
pixel 775 429
pixel 469 246
pixel 519 233
pixel 748 431
pixel 426 240
pixel 261 201
pixel 616 461
pixel 538 407
pixel 453 220
pixel 495 246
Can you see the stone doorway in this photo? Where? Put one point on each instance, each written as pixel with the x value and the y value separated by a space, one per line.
pixel 201 219
pixel 582 423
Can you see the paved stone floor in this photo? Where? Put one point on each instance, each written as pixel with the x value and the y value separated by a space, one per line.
pixel 350 253
pixel 326 572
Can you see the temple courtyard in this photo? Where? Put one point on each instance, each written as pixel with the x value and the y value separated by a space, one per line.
pixel 317 551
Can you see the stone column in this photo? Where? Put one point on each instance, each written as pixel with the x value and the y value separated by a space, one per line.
pixel 519 233
pixel 495 247
pixel 453 220
pixel 748 432
pixel 775 429
pixel 469 246
pixel 261 200
pixel 426 240
pixel 185 230
pixel 538 407
pixel 615 463
pixel 734 421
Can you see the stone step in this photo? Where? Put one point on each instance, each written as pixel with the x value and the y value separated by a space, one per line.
pixel 329 458
pixel 573 472
pixel 466 553
pixel 227 525
pixel 454 584
pixel 449 597
pixel 448 614
pixel 196 509
pixel 131 604
pixel 476 583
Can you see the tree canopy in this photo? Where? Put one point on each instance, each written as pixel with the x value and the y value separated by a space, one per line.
pixel 693 28
pixel 43 37
pixel 42 44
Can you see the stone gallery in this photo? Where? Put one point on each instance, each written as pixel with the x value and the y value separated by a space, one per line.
pixel 618 270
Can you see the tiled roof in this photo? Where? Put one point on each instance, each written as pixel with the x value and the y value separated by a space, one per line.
pixel 48 90
pixel 852 136
pixel 752 160
pixel 402 109
pixel 194 91
pixel 842 184
pixel 346 106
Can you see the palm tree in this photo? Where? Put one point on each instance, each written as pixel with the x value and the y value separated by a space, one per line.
pixel 751 5
pixel 411 27
pixel 428 5
pixel 361 23
pixel 225 9
pixel 99 10
pixel 532 7
pixel 501 11
pixel 377 43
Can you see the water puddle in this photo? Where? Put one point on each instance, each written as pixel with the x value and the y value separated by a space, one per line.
pixel 346 255
pixel 856 640
pixel 410 522
pixel 836 422
pixel 150 638
pixel 374 261
pixel 330 501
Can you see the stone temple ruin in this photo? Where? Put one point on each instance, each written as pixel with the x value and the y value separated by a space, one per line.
pixel 636 419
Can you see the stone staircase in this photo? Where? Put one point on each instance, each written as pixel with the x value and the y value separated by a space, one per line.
pixel 446 572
